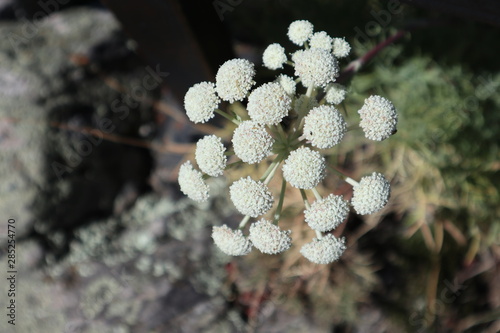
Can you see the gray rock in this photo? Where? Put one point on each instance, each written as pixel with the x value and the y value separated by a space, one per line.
pixel 55 171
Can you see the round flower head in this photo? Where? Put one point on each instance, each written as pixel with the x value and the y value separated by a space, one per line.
pixel 300 31
pixel 304 104
pixel 200 102
pixel 231 242
pixel 268 238
pixel 191 183
pixel 371 194
pixel 251 142
pixel 326 214
pixel 274 56
pixel 341 48
pixel 234 79
pixel 324 126
pixel 210 156
pixel 250 197
pixel 378 118
pixel 287 83
pixel 304 168
pixel 268 104
pixel 325 250
pixel 335 93
pixel 316 67
pixel 321 40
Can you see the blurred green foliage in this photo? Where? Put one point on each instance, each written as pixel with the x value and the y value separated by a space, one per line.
pixel 448 137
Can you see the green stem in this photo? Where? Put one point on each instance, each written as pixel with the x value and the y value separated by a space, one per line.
pixel 351 181
pixel 277 214
pixel 352 127
pixel 227 116
pixel 316 194
pixel 309 91
pixel 271 174
pixel 281 132
pixel 230 165
pixel 271 169
pixel 304 198
pixel 244 222
pixel 343 176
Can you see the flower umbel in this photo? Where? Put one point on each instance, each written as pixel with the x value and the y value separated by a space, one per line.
pixel 285 127
pixel 210 155
pixel 371 194
pixel 231 242
pixel 378 118
pixel 304 168
pixel 234 80
pixel 268 238
pixel 191 183
pixel 200 102
pixel 251 142
pixel 251 197
pixel 325 250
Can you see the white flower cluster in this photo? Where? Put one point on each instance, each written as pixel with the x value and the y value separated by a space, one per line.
pixel 286 126
pixel 268 237
pixel 378 118
pixel 250 197
pixel 251 142
pixel 304 168
pixel 371 194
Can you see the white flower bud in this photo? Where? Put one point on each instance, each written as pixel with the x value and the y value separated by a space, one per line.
pixel 287 83
pixel 378 118
pixel 326 214
pixel 371 194
pixel 231 242
pixel 304 168
pixel 325 250
pixel 335 93
pixel 200 102
pixel 250 197
pixel 234 79
pixel 321 40
pixel 210 156
pixel 341 48
pixel 316 67
pixel 191 183
pixel 268 104
pixel 274 56
pixel 300 31
pixel 324 126
pixel 268 238
pixel 251 142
